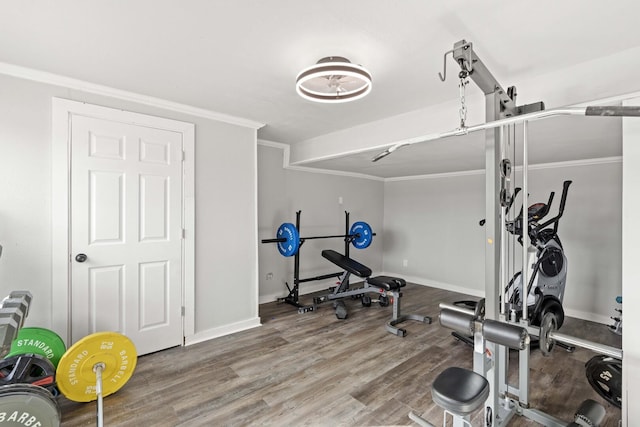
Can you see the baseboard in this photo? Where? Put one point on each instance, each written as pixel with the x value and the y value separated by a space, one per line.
pixel 222 331
pixel 479 293
pixel 592 317
pixel 435 284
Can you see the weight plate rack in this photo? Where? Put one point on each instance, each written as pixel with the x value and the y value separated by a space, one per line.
pixel 37 367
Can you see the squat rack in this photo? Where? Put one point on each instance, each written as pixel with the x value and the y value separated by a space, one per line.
pixel 293 297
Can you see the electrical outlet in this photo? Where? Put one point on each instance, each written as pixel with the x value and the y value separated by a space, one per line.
pixel 340 200
pixel 269 276
pixel 405 262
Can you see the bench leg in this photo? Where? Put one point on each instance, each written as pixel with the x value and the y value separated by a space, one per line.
pixel 397 317
pixel 419 420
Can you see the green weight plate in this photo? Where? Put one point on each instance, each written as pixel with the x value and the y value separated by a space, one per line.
pixel 38 341
pixel 23 405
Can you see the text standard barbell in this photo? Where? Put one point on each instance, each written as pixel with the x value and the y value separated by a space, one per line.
pixel 289 240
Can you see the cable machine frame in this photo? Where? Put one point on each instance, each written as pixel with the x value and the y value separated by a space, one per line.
pixel 501 111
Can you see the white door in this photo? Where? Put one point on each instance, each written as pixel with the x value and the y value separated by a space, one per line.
pixel 126 232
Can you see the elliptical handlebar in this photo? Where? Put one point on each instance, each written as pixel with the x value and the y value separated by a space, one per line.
pixel 556 219
pixel 513 198
pixel 515 226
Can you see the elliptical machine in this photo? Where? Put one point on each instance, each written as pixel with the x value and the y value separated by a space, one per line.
pixel 547 265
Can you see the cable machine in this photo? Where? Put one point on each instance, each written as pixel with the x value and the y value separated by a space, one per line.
pixel 497 330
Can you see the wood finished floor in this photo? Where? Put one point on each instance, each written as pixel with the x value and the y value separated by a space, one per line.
pixel 315 370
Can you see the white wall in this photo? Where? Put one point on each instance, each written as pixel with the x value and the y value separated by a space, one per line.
pixel 631 268
pixel 25 197
pixel 226 259
pixel 282 192
pixel 226 234
pixel 433 223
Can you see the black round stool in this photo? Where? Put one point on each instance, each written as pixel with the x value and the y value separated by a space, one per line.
pixel 459 392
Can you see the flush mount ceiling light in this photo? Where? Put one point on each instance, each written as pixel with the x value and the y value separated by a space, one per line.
pixel 333 79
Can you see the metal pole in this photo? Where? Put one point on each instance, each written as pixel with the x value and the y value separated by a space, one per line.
pixel 97 368
pixel 525 223
pixel 630 111
pixel 523 358
pixel 346 232
pixel 296 265
pixel 492 245
pixel 503 238
pixel 607 350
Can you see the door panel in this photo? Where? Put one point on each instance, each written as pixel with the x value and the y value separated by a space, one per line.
pixel 126 205
pixel 106 207
pixel 106 290
pixel 154 201
pixel 154 294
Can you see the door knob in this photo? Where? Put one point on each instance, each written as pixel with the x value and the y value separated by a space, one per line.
pixel 81 257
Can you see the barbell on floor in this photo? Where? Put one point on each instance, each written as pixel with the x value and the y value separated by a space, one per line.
pixel 289 240
pixel 95 367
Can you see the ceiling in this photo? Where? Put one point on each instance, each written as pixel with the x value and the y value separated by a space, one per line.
pixel 241 57
pixel 562 139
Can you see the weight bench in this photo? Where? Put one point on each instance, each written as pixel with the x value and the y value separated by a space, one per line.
pixel 387 288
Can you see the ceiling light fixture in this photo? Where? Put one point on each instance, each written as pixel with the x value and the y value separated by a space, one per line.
pixel 333 79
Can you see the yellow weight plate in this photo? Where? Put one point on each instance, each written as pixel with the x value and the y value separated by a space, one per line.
pixel 75 375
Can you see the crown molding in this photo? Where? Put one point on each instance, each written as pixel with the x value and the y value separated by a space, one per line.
pixel 286 148
pixel 84 86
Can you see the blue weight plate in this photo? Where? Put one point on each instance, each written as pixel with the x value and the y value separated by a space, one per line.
pixel 364 235
pixel 289 232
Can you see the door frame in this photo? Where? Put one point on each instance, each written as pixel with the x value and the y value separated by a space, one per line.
pixel 63 111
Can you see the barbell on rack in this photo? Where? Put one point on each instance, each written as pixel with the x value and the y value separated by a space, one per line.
pixel 289 240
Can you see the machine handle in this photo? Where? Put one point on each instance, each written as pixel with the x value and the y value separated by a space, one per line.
pixel 513 198
pixel 565 190
pixel 555 220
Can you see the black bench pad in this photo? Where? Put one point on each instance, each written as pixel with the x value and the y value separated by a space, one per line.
pixel 387 282
pixel 459 390
pixel 346 263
